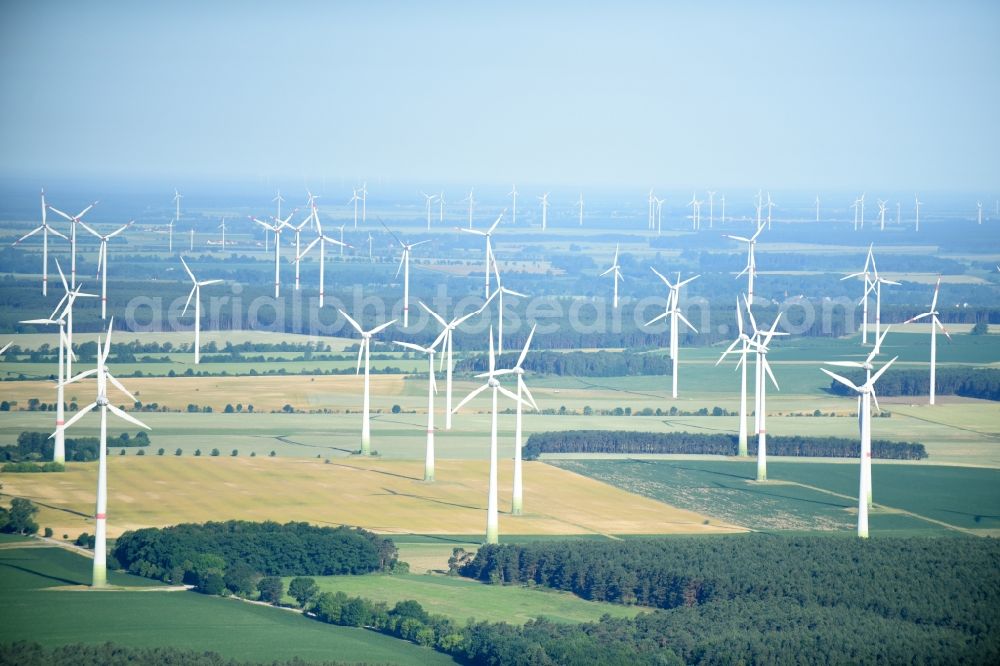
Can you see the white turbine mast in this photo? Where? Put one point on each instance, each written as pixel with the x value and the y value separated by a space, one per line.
pixel 429 198
pixel 354 200
pixel 867 288
pixel 580 206
pixel 517 497
pixel 100 570
pixel 276 227
pixel 916 207
pixel 489 259
pixel 866 394
pixel 46 229
pixel 545 210
pixel 513 194
pixel 177 219
pixel 673 311
pixel 73 220
pixel 196 294
pixel 431 391
pixel 935 324
pixel 745 343
pixel 364 350
pixel 102 259
pixel 404 266
pixel 761 338
pixel 472 202
pixel 616 275
pixel 499 293
pixel 492 510
pixel 322 239
pixel 711 208
pixel 448 352
pixel 876 286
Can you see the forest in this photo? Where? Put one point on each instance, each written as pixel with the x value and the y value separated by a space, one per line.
pixel 201 552
pixel 983 383
pixel 624 441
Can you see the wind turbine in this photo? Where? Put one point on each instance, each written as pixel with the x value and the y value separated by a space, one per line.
pixel 513 193
pixel 364 203
pixel 916 205
pixel 867 275
pixel 881 215
pixel 102 260
pixel 63 316
pixel 196 294
pixel 472 202
pixel 876 286
pixel 492 517
pixel 73 220
pixel 441 207
pixel 191 248
pixel 659 214
pixel 354 200
pixel 711 208
pixel 100 571
pixel 861 202
pixel 430 199
pixel 694 210
pixel 770 207
pixel 935 324
pixel 431 390
pixel 866 443
pixel 364 349
pixel 5 348
pixel 617 275
pixel 177 219
pixel 517 500
pixel 46 229
pixel 223 227
pixel 743 340
pixel 297 230
pixel 761 339
pixel 855 208
pixel 580 205
pixel 817 208
pixel 545 209
pixel 898 215
pixel 751 268
pixel 979 205
pixel 759 204
pixel 499 292
pixel 488 234
pixel 277 228
pixel 722 219
pixel 279 200
pixel 674 312
pixel 866 393
pixel 649 220
pixel 448 352
pixel 322 239
pixel 371 257
pixel 404 265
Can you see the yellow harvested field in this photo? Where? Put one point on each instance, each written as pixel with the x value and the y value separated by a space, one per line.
pixel 387 496
pixel 265 393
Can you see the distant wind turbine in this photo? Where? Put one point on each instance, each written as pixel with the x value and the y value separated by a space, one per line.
pixel 73 220
pixel 545 209
pixel 751 268
pixel 354 200
pixel 277 227
pixel 499 293
pixel 513 193
pixel 364 350
pixel 102 260
pixel 517 497
pixel 673 311
pixel 916 206
pixel 935 324
pixel 448 352
pixel 404 266
pixel 711 208
pixel 431 390
pixel 743 340
pixel 429 200
pixel 196 294
pixel 322 239
pixel 616 276
pixel 489 259
pixel 761 339
pixel 472 202
pixel 177 219
pixel 580 205
pixel 46 229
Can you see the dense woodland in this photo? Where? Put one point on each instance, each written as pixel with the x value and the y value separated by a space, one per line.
pixel 967 382
pixel 38 446
pixel 204 553
pixel 25 653
pixel 624 441
pixel 762 598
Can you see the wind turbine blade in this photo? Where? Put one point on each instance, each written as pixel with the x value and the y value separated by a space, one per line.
pixel 402 260
pixel 527 393
pixel 53 230
pixel 494 225
pixel 107 342
pixel 59 212
pixel 684 319
pixel 381 327
pixel 205 283
pixel 188 302
pixel 881 371
pixel 436 316
pixel 527 344
pixel 361 351
pixel 62 276
pixel 934 301
pixel 513 396
pixel 351 321
pixel 918 317
pixel 413 245
pixel 121 388
pixel 308 247
pixel 656 318
pixel 846 364
pixel 843 380
pixel 30 234
pixel 76 417
pixel 410 345
pixel 937 322
pixel 188 270
pixel 660 275
pixel 128 417
pixel 469 397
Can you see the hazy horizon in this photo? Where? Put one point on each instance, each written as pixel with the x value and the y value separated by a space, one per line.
pixel 851 97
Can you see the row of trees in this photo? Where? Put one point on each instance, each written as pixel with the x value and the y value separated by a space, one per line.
pixel 968 382
pixel 25 653
pixel 629 442
pixel 267 548
pixel 38 446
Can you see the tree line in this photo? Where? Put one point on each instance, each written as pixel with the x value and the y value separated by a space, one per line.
pixel 630 442
pixel 27 653
pixel 192 552
pixel 39 446
pixel 983 383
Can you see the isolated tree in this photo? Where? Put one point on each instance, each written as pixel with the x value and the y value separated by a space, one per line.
pixel 271 589
pixel 19 519
pixel 178 452
pixel 303 589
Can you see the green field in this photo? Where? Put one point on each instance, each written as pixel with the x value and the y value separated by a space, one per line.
pixel 813 496
pixel 36 609
pixel 461 599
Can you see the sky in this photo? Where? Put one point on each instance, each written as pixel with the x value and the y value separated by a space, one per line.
pixel 836 95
